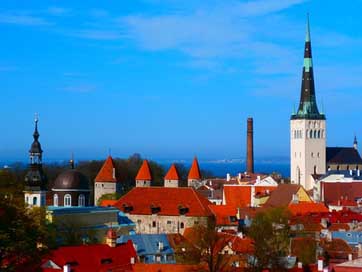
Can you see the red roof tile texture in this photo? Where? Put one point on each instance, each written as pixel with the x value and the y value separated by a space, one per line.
pixel 172 173
pixel 145 172
pixel 107 172
pixel 223 213
pixel 237 196
pixel 88 258
pixel 195 170
pixel 303 208
pixel 168 200
pixel 108 202
pixel 337 190
pixel 282 195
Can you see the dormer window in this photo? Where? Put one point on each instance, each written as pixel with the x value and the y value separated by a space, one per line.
pixel 183 210
pixel 155 209
pixel 127 208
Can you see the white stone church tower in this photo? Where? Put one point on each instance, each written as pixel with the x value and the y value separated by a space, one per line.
pixel 308 129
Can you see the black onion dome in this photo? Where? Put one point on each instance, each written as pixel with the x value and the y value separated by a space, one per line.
pixel 71 179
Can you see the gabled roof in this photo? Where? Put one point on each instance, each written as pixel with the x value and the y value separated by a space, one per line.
pixel 98 257
pixel 145 172
pixel 107 172
pixel 343 155
pixel 194 170
pixel 282 195
pixel 168 201
pixel 172 173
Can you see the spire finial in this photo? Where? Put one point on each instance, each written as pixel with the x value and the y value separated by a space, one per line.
pixel 71 162
pixel 36 133
pixel 307 36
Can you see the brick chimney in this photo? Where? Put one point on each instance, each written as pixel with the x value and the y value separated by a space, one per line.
pixel 250 147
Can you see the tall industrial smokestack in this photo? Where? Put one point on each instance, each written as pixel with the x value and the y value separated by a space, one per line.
pixel 250 147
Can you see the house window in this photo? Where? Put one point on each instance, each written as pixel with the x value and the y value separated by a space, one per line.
pixel 153 224
pixel 182 225
pixel 55 200
pixel 169 222
pixel 35 200
pixel 139 221
pixel 67 200
pixel 158 259
pixel 81 200
pixel 27 200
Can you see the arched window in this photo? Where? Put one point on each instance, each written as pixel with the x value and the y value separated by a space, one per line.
pixel 311 134
pixel 55 200
pixel 182 225
pixel 81 200
pixel 67 200
pixel 35 200
pixel 298 175
pixel 315 134
pixel 337 167
pixel 319 134
pixel 347 167
pixel 315 169
pixel 295 134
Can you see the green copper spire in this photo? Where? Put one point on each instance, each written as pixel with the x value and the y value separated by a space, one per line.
pixel 307 35
pixel 308 105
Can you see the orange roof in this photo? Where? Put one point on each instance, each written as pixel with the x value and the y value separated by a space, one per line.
pixel 237 196
pixel 303 208
pixel 107 172
pixel 144 173
pixel 142 267
pixel 107 202
pixel 223 213
pixel 168 200
pixel 195 170
pixel 172 173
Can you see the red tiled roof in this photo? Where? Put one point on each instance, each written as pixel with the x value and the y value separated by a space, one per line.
pixel 107 202
pixel 222 214
pixel 172 173
pixel 107 172
pixel 238 244
pixel 343 203
pixel 303 208
pixel 195 170
pixel 87 258
pixel 145 172
pixel 339 226
pixel 237 196
pixel 169 200
pixel 333 191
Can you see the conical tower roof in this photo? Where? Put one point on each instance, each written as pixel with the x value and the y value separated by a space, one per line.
pixel 145 172
pixel 172 173
pixel 107 172
pixel 194 172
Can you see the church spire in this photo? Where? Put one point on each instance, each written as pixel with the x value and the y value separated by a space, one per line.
pixel 308 108
pixel 35 151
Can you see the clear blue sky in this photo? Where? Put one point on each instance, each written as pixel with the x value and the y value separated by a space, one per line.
pixel 172 78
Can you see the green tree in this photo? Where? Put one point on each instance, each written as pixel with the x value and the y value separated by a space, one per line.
pixel 114 196
pixel 24 234
pixel 270 232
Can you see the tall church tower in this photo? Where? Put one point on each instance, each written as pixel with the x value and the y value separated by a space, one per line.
pixel 35 179
pixel 307 128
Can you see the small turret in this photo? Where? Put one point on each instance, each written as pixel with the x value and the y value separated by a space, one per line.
pixel 355 143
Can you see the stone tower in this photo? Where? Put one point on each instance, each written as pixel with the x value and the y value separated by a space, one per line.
pixel 307 129
pixel 35 179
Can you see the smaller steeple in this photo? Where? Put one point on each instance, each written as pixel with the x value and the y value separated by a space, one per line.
pixel 71 161
pixel 355 143
pixel 144 176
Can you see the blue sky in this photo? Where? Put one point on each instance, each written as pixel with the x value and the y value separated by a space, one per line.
pixel 172 78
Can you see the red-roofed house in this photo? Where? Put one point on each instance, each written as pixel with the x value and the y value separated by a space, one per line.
pixel 240 196
pixel 165 210
pixel 91 258
pixel 194 177
pixel 172 177
pixel 144 176
pixel 226 216
pixel 106 182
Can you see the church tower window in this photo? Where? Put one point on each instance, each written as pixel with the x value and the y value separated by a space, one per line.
pixel 55 200
pixel 67 200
